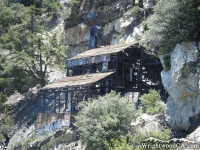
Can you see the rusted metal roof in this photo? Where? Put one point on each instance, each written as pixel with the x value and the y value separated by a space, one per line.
pixel 103 50
pixel 77 80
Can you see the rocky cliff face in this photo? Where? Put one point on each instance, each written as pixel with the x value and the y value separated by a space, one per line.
pixel 117 23
pixel 182 85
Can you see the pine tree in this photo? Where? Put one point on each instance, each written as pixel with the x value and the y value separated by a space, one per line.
pixel 30 45
pixel 6 17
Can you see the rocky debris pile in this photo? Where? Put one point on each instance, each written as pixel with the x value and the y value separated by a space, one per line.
pixel 60 136
pixel 182 84
pixel 18 101
pixel 19 135
pixel 72 146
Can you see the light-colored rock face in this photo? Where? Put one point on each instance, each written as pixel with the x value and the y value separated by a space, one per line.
pixel 147 122
pixel 116 24
pixel 77 34
pixel 136 34
pixel 182 85
pixel 148 4
pixel 194 136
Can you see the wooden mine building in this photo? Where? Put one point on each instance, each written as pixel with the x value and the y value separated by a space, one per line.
pixel 123 68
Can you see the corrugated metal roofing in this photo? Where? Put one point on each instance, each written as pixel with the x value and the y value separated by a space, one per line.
pixel 77 80
pixel 103 50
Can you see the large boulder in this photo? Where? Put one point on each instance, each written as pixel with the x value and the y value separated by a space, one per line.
pixel 182 85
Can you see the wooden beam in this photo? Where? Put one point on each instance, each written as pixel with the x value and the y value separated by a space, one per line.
pixel 116 72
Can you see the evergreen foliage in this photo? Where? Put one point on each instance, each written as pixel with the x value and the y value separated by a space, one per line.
pixel 51 6
pixel 7 17
pixel 29 47
pixel 107 118
pixel 3 107
pixel 166 62
pixel 173 21
pixel 73 2
pixel 151 102
pixel 6 127
pixel 134 11
pixel 134 141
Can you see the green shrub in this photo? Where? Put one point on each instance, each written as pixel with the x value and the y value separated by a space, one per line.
pixel 155 110
pixel 163 31
pixel 56 141
pixel 73 2
pixel 108 118
pixel 6 85
pixel 151 102
pixel 17 146
pixel 161 134
pixel 122 42
pixel 3 106
pixel 66 12
pixel 23 143
pixel 28 141
pixel 134 140
pixel 166 62
pixel 120 144
pixel 134 11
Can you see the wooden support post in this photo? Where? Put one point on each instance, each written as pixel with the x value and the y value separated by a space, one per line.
pixel 55 104
pixel 116 65
pixel 66 100
pixel 67 69
pixel 43 100
pixel 131 70
pixel 71 101
pixel 59 102
pixel 123 77
pixel 114 82
pixel 140 72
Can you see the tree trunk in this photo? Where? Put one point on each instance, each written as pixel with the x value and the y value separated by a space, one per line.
pixel 6 137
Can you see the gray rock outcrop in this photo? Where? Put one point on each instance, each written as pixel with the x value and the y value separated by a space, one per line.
pixel 147 122
pixel 59 135
pixel 182 85
pixel 195 136
pixel 117 24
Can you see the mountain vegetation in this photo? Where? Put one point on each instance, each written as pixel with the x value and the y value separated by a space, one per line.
pixel 27 47
pixel 105 119
pixel 106 124
pixel 151 102
pixel 173 21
